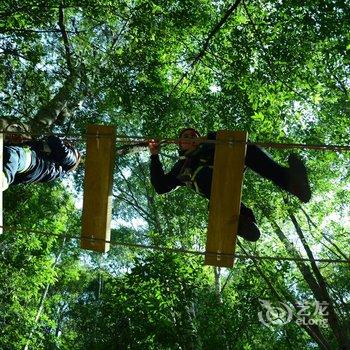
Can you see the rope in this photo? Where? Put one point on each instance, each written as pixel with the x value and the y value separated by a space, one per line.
pixel 136 139
pixel 176 250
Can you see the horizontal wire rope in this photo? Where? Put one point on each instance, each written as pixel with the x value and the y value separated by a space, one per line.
pixel 173 250
pixel 137 139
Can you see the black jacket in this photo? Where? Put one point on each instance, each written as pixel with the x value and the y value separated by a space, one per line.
pixel 47 166
pixel 193 170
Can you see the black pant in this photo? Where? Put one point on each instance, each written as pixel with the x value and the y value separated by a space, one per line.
pixel 261 163
pixel 247 227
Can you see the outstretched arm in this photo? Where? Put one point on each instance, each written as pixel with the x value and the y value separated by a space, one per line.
pixel 161 182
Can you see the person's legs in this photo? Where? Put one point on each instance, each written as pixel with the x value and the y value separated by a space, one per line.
pixel 16 159
pixel 293 179
pixel 247 227
pixel 298 184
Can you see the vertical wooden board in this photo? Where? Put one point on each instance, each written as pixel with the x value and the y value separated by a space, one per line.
pixel 97 199
pixel 225 199
pixel 1 177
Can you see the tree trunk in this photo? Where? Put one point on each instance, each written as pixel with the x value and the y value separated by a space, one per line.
pixel 42 300
pixel 313 331
pixel 339 331
pixel 56 108
pixel 53 112
pixel 319 293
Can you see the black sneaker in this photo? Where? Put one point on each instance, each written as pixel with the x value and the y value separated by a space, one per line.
pixel 247 228
pixel 298 183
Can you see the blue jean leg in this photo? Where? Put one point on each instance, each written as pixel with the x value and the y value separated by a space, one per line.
pixel 14 161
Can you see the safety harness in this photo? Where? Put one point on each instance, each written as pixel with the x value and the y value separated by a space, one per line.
pixel 188 174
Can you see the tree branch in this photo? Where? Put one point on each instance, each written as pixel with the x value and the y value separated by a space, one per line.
pixel 312 329
pixel 139 209
pixel 333 319
pixel 43 298
pixel 13 52
pixel 207 41
pixel 310 221
pixel 319 291
pixel 36 31
pixel 68 54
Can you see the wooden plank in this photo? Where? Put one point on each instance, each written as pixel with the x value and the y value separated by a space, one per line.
pixel 97 200
pixel 1 177
pixel 225 198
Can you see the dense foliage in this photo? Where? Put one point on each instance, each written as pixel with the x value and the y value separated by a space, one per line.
pixel 279 69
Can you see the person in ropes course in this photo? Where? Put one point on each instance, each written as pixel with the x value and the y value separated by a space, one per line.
pixel 194 169
pixel 34 161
